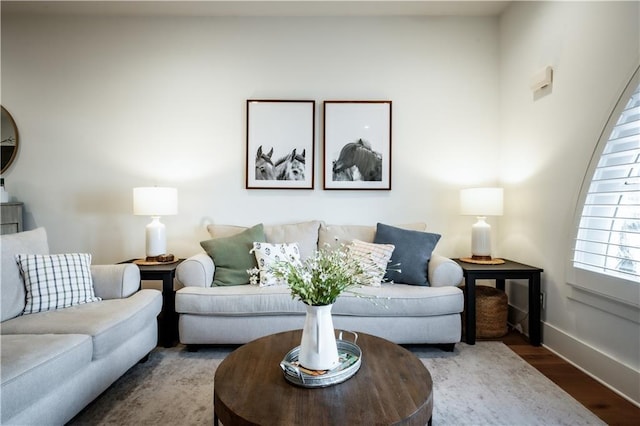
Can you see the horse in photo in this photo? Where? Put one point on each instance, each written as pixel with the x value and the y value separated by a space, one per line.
pixel 350 174
pixel 265 169
pixel 291 167
pixel 359 154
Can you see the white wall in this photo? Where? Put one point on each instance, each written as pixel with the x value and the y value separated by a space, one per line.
pixel 546 144
pixel 104 104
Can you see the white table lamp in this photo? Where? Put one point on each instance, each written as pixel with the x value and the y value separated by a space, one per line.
pixel 481 202
pixel 155 202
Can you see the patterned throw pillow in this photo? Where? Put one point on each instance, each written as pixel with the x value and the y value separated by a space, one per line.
pixel 370 254
pixel 268 254
pixel 56 281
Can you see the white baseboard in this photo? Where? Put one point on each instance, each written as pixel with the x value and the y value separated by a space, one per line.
pixel 620 378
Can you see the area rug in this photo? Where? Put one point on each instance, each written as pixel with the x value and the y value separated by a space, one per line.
pixel 484 384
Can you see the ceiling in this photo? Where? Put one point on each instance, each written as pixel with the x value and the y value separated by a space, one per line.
pixel 258 8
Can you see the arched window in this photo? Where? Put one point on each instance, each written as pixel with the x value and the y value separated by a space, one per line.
pixel 606 251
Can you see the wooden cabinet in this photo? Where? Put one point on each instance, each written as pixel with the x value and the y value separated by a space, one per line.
pixel 10 218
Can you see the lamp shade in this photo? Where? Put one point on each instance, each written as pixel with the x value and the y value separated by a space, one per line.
pixel 481 201
pixel 155 201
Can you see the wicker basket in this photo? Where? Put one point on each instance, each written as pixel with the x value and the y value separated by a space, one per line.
pixel 491 312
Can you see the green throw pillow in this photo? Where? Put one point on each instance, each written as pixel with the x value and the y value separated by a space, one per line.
pixel 231 256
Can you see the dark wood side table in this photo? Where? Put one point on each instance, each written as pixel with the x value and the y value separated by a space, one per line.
pixel 499 273
pixel 11 217
pixel 168 319
pixel 391 387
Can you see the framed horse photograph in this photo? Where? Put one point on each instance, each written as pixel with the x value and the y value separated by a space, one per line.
pixel 280 144
pixel 357 145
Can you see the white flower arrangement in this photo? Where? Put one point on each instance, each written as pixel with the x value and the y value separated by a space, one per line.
pixel 254 276
pixel 321 278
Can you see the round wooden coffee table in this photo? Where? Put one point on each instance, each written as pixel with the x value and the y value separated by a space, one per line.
pixel 391 387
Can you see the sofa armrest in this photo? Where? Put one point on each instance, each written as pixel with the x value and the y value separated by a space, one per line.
pixel 444 272
pixel 196 271
pixel 115 281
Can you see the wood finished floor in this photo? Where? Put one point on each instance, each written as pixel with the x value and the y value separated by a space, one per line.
pixel 603 402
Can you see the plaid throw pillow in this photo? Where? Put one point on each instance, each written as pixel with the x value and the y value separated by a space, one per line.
pixel 56 281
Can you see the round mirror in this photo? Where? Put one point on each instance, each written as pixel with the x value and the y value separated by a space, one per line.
pixel 9 144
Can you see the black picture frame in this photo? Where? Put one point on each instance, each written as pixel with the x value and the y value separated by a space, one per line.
pixel 357 145
pixel 280 144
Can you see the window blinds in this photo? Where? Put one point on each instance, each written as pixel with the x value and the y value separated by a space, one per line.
pixel 608 238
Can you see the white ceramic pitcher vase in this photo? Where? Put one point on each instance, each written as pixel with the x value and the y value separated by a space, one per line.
pixel 318 349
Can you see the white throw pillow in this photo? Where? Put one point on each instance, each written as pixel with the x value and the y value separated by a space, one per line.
pixel 56 281
pixel 371 255
pixel 268 254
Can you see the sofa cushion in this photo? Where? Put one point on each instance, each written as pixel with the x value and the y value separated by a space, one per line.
pixel 268 255
pixel 374 259
pixel 238 300
pixel 389 300
pixel 400 300
pixel 33 364
pixel 232 257
pixel 11 284
pixel 56 281
pixel 336 235
pixel 333 236
pixel 411 255
pixel 224 231
pixel 109 322
pixel 303 233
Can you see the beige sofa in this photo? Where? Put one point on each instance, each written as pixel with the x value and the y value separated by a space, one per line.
pixel 398 312
pixel 56 362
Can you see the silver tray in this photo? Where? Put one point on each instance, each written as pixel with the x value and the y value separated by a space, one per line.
pixel 350 360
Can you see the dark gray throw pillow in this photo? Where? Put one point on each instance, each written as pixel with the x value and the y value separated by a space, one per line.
pixel 231 256
pixel 412 253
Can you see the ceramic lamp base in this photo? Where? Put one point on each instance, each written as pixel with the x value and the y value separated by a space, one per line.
pixel 481 239
pixel 156 238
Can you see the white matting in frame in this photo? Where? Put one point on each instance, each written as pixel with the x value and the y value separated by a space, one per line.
pixel 280 144
pixel 357 145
